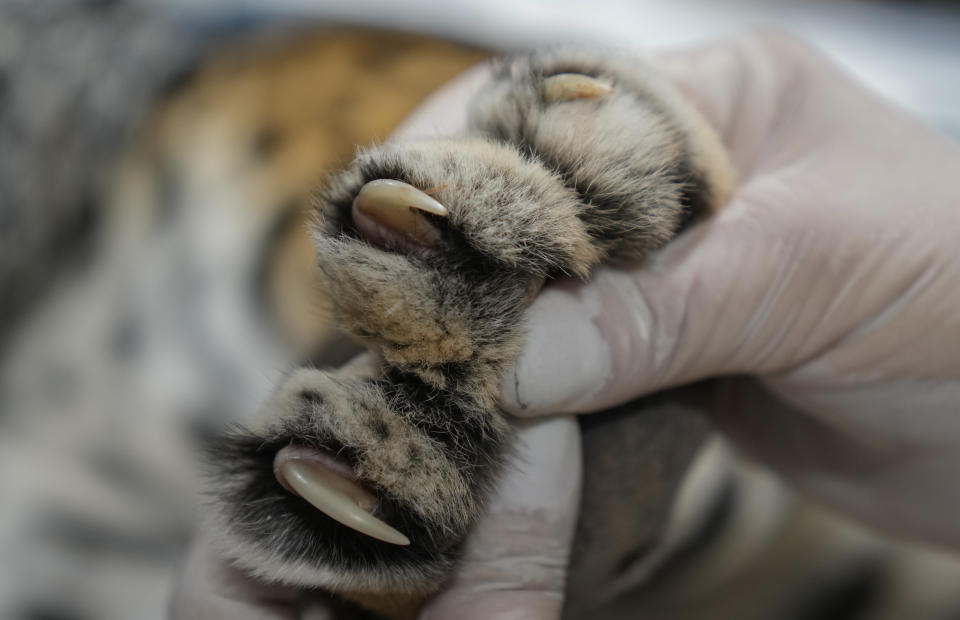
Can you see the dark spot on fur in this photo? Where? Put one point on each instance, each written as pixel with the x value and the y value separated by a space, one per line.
pixel 178 81
pixel 266 142
pixel 312 398
pixel 381 429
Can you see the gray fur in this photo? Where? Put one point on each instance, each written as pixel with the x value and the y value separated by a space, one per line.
pixel 65 121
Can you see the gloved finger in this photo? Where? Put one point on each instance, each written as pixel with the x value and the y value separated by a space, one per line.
pixel 683 316
pixel 516 559
pixel 210 589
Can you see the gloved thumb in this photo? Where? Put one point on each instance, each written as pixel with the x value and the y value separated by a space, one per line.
pixel 702 306
pixel 515 561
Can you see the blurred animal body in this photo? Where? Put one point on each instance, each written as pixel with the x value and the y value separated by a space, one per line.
pixel 162 283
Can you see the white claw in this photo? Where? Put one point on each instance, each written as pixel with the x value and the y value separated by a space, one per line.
pixel 384 206
pixel 337 497
pixel 569 86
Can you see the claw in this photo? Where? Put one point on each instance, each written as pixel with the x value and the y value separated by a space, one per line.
pixel 333 494
pixel 569 86
pixel 384 207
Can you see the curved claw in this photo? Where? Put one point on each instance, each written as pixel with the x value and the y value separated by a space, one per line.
pixel 395 207
pixel 336 496
pixel 570 86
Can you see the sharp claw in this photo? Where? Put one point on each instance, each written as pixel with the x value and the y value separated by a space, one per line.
pixel 569 86
pixel 396 207
pixel 337 497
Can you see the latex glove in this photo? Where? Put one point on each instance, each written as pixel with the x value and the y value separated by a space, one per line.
pixel 514 565
pixel 832 279
pixel 516 559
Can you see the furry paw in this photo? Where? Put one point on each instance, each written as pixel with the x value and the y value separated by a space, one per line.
pixel 366 481
pixel 641 160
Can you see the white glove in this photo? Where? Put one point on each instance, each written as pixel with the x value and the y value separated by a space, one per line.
pixel 827 293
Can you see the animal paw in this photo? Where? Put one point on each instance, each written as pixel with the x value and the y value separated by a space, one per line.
pixel 366 481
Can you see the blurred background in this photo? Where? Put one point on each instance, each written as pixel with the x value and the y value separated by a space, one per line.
pixel 156 163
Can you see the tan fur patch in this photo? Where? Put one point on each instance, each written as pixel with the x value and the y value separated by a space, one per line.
pixel 268 120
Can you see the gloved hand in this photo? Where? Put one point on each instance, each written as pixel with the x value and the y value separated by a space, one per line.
pixel 826 294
